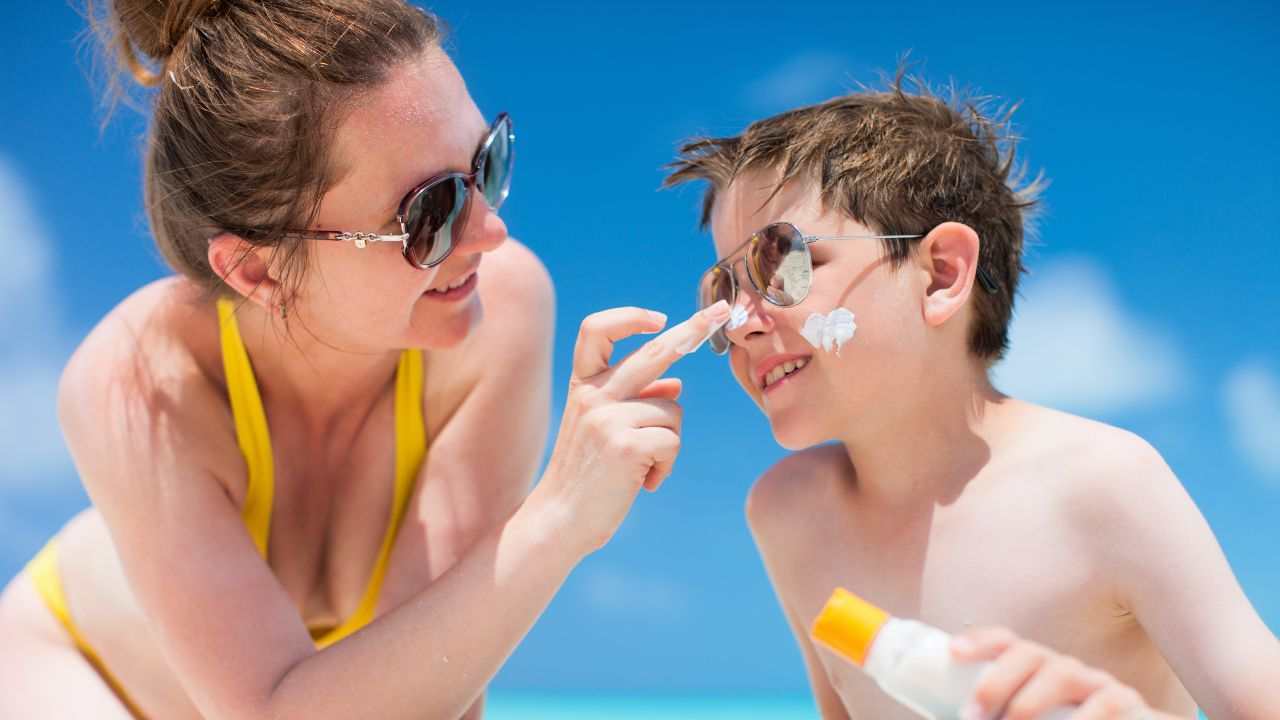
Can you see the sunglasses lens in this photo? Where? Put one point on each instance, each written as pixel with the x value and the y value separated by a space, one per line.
pixel 434 221
pixel 496 175
pixel 778 261
pixel 716 285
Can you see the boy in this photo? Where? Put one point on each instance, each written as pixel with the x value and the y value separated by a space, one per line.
pixel 872 247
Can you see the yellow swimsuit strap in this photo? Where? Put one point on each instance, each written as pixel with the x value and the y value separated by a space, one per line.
pixel 251 428
pixel 255 444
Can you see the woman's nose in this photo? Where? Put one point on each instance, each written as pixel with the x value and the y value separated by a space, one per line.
pixel 485 230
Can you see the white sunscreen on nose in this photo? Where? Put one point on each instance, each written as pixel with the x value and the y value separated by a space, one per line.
pixel 737 318
pixel 831 331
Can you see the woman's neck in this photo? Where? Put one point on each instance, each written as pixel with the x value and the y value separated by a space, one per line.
pixel 329 391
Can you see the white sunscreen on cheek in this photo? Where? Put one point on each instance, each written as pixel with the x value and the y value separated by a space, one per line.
pixel 737 318
pixel 830 332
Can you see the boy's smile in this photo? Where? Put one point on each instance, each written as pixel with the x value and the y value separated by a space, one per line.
pixel 776 370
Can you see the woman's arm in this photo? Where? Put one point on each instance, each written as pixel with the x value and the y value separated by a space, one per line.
pixel 488 407
pixel 230 631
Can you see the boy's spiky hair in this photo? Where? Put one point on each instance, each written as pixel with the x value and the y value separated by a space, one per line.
pixel 900 161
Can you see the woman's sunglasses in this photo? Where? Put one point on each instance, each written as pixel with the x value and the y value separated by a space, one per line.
pixel 433 215
pixel 779 266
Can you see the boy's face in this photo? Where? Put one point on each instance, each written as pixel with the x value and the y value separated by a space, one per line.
pixel 832 395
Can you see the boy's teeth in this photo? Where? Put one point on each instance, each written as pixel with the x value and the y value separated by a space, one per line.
pixel 782 371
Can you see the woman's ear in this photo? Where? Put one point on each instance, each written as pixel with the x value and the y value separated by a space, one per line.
pixel 949 255
pixel 246 268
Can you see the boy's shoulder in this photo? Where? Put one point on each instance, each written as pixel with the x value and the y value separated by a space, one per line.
pixel 1076 448
pixel 1079 466
pixel 795 486
pixel 1087 469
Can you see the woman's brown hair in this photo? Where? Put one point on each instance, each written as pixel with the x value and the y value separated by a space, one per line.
pixel 247 96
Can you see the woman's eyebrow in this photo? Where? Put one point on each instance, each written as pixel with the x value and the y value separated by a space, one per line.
pixel 466 168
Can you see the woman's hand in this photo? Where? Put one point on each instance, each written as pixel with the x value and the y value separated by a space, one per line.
pixel 621 425
pixel 1026 680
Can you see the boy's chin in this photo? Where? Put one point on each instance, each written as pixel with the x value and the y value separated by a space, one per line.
pixel 794 431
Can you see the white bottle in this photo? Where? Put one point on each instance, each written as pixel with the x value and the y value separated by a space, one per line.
pixel 909 660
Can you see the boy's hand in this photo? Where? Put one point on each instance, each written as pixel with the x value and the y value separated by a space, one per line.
pixel 1026 680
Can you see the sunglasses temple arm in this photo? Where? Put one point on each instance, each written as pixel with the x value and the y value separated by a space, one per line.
pixel 987 282
pixel 811 239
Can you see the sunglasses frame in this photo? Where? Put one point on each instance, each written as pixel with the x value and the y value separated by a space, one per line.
pixel 472 182
pixel 731 260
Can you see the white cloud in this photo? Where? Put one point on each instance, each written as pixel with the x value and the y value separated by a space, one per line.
pixel 1251 399
pixel 1074 346
pixel 36 343
pixel 612 592
pixel 806 78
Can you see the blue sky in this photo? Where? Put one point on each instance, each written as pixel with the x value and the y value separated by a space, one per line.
pixel 1152 304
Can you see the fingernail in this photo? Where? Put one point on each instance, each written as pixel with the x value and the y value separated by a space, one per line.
pixel 962 645
pixel 657 317
pixel 973 711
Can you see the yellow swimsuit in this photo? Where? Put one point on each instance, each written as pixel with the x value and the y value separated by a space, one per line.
pixel 255 444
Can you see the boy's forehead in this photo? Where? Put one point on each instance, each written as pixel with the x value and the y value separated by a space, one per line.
pixel 749 203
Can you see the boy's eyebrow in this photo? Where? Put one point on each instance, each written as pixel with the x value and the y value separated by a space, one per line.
pixel 735 251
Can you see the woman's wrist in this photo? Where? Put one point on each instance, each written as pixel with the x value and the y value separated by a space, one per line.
pixel 547 524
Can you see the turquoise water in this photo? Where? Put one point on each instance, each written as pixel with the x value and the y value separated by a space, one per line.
pixel 538 706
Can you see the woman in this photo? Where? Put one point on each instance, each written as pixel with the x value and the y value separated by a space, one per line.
pixel 309 457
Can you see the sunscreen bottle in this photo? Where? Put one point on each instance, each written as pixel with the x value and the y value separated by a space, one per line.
pixel 909 660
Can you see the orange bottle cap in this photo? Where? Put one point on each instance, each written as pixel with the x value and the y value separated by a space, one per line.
pixel 848 624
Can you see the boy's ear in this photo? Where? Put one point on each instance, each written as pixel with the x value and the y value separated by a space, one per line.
pixel 949 255
pixel 246 268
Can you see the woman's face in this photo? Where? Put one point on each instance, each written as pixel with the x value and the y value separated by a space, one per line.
pixel 418 124
pixel 832 393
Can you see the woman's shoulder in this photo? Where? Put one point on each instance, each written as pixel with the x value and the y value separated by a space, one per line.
pixel 509 350
pixel 161 328
pixel 148 369
pixel 519 314
pixel 518 278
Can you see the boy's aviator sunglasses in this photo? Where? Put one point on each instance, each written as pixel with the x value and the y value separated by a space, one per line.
pixel 433 215
pixel 778 264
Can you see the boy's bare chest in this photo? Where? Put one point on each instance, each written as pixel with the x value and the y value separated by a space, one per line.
pixel 956 571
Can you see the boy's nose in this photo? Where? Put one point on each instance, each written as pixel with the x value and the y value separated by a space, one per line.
pixel 753 313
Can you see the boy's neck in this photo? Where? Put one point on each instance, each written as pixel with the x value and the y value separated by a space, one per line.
pixel 925 450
